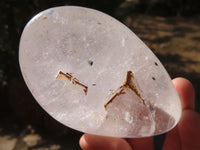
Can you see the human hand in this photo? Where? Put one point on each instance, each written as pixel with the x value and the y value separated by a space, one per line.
pixel 185 136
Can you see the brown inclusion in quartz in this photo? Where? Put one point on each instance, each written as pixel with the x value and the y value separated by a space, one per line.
pixel 129 83
pixel 73 80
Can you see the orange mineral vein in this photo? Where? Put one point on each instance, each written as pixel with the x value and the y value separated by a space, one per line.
pixel 129 83
pixel 73 80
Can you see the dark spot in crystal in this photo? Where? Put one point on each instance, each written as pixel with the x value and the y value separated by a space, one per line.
pixel 156 63
pixel 153 78
pixel 151 107
pixel 90 62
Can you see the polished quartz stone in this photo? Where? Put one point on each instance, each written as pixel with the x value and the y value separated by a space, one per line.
pixel 93 74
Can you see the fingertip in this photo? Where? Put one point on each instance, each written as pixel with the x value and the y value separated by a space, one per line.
pixel 186 92
pixel 83 143
pixel 89 141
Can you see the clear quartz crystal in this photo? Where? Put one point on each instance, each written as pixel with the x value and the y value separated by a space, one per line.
pixel 93 74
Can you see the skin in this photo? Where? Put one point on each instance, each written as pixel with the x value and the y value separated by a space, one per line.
pixel 185 136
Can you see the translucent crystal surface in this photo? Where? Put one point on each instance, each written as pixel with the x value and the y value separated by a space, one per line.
pixel 93 74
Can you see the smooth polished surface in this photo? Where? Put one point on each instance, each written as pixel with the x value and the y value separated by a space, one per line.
pixel 93 74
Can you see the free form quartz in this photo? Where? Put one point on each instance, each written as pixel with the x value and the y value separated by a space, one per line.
pixel 93 74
